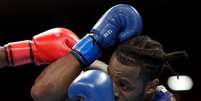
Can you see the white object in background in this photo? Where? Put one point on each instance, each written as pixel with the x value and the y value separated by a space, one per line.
pixel 180 83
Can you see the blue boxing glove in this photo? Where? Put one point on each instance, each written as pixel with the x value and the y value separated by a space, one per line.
pixel 162 94
pixel 117 25
pixel 92 85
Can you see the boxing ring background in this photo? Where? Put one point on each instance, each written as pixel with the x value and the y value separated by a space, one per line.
pixel 175 25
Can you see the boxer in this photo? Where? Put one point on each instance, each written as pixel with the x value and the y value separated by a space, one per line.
pixel 134 65
pixel 117 25
pixel 49 85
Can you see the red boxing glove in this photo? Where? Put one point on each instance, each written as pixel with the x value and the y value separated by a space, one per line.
pixel 45 47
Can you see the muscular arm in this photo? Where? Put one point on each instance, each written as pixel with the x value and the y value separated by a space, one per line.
pixel 52 83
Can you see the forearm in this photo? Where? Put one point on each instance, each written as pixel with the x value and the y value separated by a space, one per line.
pixel 52 83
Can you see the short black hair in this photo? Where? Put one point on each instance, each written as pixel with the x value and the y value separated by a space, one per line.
pixel 147 53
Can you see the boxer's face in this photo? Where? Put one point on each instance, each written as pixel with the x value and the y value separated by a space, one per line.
pixel 127 82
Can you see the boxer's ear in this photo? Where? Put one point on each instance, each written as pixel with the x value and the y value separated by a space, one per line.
pixel 150 88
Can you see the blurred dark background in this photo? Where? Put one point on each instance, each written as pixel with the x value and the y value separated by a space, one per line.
pixel 175 24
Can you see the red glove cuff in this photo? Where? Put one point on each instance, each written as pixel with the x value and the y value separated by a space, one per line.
pixel 19 53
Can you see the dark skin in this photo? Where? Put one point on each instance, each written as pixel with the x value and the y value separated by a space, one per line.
pixel 52 83
pixel 128 83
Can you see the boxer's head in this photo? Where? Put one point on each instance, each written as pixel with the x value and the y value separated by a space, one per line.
pixel 134 68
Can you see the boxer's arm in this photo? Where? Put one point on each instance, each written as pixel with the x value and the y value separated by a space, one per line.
pixel 52 83
pixel 42 89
